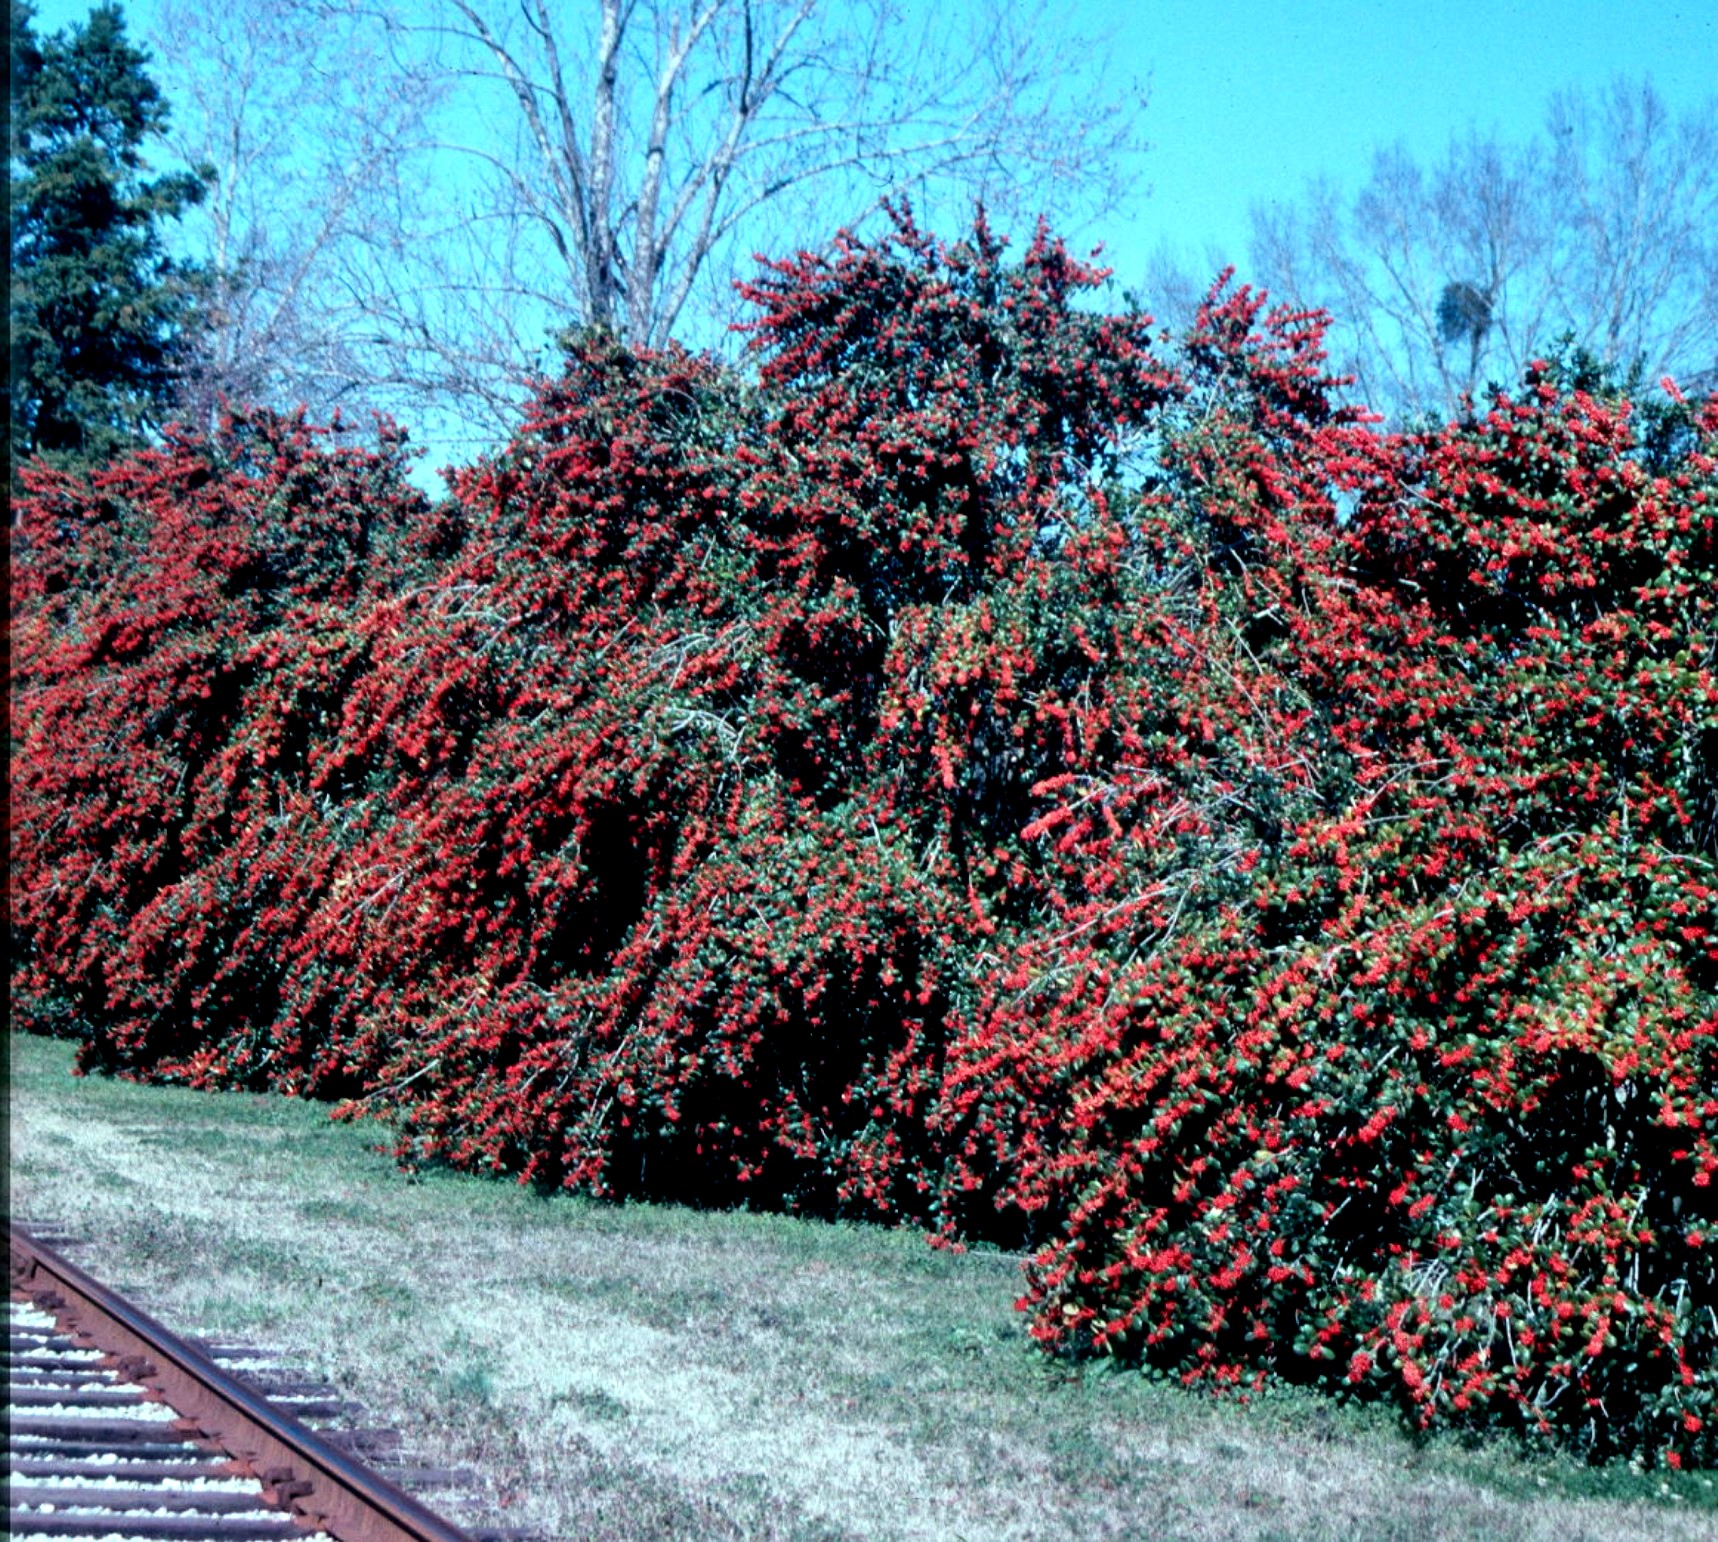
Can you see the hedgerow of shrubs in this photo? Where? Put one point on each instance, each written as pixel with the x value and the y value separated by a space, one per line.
pixel 979 766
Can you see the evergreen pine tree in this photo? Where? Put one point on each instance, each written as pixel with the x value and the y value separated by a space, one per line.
pixel 101 315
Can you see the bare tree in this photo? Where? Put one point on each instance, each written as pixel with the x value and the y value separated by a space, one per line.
pixel 654 133
pixel 1443 278
pixel 1638 237
pixel 495 171
pixel 306 129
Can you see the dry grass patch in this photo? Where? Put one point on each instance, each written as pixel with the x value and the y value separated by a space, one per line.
pixel 641 1372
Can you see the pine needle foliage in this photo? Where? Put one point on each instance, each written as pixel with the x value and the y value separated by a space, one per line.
pixel 100 314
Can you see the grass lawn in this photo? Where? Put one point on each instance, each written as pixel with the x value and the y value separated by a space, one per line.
pixel 633 1372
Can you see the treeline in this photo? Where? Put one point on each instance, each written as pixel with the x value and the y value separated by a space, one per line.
pixel 975 766
pixel 400 206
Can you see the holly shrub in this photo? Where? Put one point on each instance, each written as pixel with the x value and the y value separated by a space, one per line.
pixel 1430 1111
pixel 182 638
pixel 978 766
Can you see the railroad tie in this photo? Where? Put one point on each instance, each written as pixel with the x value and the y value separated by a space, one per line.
pixel 117 1428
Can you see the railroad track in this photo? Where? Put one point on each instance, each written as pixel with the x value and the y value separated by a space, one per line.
pixel 119 1429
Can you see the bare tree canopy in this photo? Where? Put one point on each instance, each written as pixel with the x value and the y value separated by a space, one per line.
pixel 491 172
pixel 1443 278
pixel 282 101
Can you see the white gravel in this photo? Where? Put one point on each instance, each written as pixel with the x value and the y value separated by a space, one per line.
pixel 26 1511
pixel 124 1485
pixel 121 1463
pixel 139 1413
pixel 95 1535
pixel 69 1356
pixel 71 1389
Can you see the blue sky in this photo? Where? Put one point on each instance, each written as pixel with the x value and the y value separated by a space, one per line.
pixel 1249 98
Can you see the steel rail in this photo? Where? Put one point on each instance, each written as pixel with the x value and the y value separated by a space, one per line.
pixel 320 1486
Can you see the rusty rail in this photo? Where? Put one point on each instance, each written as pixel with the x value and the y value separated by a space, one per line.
pixel 319 1486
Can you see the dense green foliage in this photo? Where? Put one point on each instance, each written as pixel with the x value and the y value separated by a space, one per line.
pixel 977 770
pixel 100 314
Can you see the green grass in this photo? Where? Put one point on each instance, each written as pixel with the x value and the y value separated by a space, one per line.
pixel 642 1372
